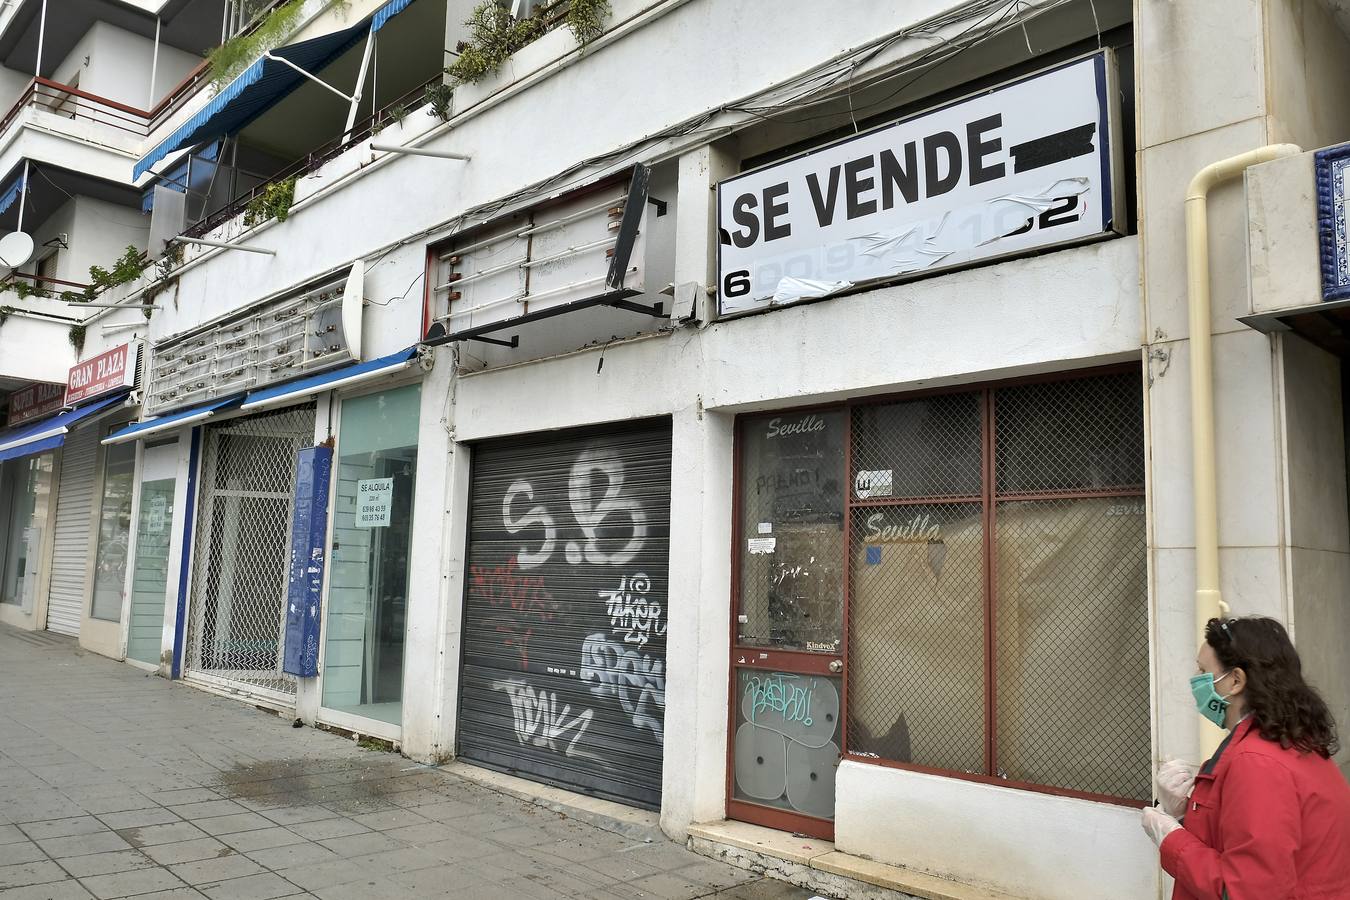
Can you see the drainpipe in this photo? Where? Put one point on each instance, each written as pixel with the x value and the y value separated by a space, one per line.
pixel 1208 602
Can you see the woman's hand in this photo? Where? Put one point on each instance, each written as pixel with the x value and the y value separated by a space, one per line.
pixel 1175 780
pixel 1158 824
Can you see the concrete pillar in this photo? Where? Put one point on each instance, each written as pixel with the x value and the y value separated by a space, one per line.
pixel 696 226
pixel 697 654
pixel 431 649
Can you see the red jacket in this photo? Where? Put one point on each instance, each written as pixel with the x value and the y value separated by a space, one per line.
pixel 1265 824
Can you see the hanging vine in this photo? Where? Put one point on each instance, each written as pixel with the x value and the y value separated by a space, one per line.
pixel 77 338
pixel 239 52
pixel 272 202
pixel 586 19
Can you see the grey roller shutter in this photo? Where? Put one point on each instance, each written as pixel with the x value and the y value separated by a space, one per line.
pixel 74 521
pixel 564 663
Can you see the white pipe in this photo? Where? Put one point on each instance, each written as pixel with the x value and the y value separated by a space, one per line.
pixel 224 245
pixel 420 151
pixel 154 66
pixel 360 84
pixel 42 36
pixel 314 78
pixel 23 197
pixel 1209 602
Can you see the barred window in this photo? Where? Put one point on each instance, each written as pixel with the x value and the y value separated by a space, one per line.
pixel 983 553
pixel 999 580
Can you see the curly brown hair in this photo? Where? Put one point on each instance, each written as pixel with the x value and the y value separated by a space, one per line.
pixel 1286 708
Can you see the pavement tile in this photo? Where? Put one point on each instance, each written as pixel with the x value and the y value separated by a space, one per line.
pixel 361 844
pixel 37 872
pixel 82 844
pixel 139 818
pixel 187 851
pixel 10 834
pixel 372 888
pixel 390 818
pixel 209 871
pixel 207 809
pixel 262 839
pixel 245 821
pixel 313 876
pixel 161 834
pixel 425 833
pixel 296 815
pixel 405 859
pixel 182 893
pixel 328 828
pixel 266 886
pixel 118 803
pixel 23 852
pixel 184 795
pixel 293 855
pixel 106 863
pixel 126 884
pixel 446 810
pixel 56 890
pixel 67 827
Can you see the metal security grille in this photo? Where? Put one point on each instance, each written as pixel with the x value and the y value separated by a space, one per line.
pixel 997 566
pixel 565 604
pixel 70 551
pixel 243 541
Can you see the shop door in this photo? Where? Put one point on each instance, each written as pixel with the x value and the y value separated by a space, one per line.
pixel 787 630
pixel 236 626
pixel 150 568
pixel 72 545
pixel 564 662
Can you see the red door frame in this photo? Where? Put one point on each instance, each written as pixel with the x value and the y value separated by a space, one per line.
pixel 812 663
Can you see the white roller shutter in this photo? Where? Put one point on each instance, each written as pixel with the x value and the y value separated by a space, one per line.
pixel 74 517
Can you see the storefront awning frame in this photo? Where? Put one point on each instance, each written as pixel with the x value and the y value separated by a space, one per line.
pixel 50 433
pixel 172 421
pixel 297 391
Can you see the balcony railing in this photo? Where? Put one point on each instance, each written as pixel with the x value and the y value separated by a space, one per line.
pixel 361 130
pixel 44 286
pixel 77 105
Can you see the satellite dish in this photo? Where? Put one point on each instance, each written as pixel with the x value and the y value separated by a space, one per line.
pixel 16 248
pixel 353 299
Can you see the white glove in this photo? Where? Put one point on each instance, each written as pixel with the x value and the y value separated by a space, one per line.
pixel 1158 824
pixel 1175 780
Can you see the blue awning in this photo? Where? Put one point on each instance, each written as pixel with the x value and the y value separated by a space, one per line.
pixel 12 193
pixel 295 391
pixel 264 83
pixel 49 433
pixel 173 421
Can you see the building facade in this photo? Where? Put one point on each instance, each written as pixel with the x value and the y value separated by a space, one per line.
pixel 803 434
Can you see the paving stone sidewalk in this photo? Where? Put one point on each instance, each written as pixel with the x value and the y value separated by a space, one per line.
pixel 114 783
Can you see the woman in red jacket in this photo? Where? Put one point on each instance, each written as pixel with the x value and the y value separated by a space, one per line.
pixel 1268 817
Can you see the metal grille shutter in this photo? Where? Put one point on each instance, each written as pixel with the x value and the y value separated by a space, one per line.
pixel 563 676
pixel 74 518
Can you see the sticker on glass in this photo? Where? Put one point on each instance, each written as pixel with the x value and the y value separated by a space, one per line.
pixel 374 500
pixel 762 545
pixel 873 483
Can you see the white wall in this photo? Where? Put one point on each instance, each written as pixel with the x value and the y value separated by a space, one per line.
pixel 116 64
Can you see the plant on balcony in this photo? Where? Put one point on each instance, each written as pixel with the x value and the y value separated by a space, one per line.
pixel 77 338
pixel 586 19
pixel 438 98
pixel 126 269
pixel 272 202
pixel 239 52
pixel 494 36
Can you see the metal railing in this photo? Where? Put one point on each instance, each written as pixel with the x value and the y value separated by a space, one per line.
pixel 361 130
pixel 75 104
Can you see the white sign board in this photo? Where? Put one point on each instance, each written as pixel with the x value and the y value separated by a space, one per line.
pixel 374 499
pixel 1023 166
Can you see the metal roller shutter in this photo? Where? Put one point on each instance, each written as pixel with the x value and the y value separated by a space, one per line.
pixel 71 546
pixel 564 662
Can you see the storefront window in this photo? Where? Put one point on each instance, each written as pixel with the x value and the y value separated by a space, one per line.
pixel 368 580
pixel 996 562
pixel 792 526
pixel 114 531
pixel 150 577
pixel 25 489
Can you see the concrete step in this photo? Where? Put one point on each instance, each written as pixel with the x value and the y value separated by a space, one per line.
pixel 818 866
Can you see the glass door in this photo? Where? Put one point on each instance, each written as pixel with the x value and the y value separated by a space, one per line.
pixel 787 634
pixel 150 567
pixel 368 566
